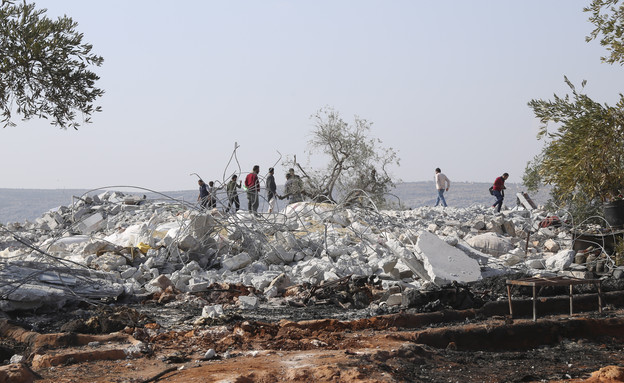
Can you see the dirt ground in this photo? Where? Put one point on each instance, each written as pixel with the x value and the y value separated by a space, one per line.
pixel 158 340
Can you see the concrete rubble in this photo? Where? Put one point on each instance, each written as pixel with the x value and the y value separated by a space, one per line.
pixel 112 245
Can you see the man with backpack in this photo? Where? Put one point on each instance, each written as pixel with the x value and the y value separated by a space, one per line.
pixel 498 191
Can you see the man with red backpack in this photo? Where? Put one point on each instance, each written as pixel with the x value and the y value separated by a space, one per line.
pixel 497 191
pixel 252 183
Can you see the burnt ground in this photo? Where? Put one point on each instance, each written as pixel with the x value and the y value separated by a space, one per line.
pixel 339 333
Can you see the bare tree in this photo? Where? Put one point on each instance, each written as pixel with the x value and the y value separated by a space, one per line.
pixel 357 165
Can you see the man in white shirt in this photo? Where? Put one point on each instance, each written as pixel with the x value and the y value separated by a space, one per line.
pixel 442 184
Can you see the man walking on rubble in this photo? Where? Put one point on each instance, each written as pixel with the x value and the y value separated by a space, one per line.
pixel 232 194
pixel 442 184
pixel 498 191
pixel 212 199
pixel 204 195
pixel 253 190
pixel 271 187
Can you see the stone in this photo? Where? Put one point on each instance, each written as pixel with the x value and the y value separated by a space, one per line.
pixel 248 302
pixel 479 225
pixel 280 283
pixel 237 262
pixel 161 282
pixel 15 359
pixel 128 273
pixel 210 354
pixel 491 243
pixel 197 285
pixel 388 264
pixel 212 312
pixel 91 223
pixel 444 263
pixel 510 259
pixel 560 261
pixel 188 242
pixel 538 264
pixel 395 299
pixel 509 228
pixel 551 245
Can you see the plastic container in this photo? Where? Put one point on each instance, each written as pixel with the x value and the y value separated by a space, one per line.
pixel 614 213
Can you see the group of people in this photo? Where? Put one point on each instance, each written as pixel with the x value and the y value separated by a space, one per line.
pixel 443 184
pixel 293 191
pixel 207 195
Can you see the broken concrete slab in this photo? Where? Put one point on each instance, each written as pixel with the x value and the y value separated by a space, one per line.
pixel 560 261
pixel 444 263
pixel 491 243
pixel 526 201
pixel 91 223
pixel 30 286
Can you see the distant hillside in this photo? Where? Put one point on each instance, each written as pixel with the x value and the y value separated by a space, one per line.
pixel 19 205
pixel 461 194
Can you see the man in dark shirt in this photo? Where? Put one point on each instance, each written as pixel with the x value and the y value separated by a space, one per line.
pixel 271 187
pixel 203 196
pixel 232 194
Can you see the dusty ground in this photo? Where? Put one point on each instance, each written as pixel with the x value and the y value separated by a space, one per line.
pixel 434 342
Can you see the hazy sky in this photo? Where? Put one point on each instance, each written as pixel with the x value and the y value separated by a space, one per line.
pixel 445 83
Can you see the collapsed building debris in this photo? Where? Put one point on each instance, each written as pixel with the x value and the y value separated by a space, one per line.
pixel 207 270
pixel 112 245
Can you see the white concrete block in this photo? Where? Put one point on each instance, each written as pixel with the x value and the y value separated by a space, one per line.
pixel 270 292
pixel 162 282
pixel 248 302
pixel 128 273
pixel 510 259
pixel 490 243
pixel 91 223
pixel 445 263
pixel 388 264
pixel 395 299
pixel 196 285
pixel 309 271
pixel 188 242
pixel 560 261
pixel 109 262
pixel 551 245
pixel 213 311
pixel 237 262
pixel 210 354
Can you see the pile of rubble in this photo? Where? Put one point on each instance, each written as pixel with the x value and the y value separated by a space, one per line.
pixel 112 245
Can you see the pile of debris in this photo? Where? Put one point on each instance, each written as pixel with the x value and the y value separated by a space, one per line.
pixel 113 244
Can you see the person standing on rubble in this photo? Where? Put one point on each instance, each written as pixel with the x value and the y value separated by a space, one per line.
pixel 498 191
pixel 292 189
pixel 232 194
pixel 252 183
pixel 203 196
pixel 212 199
pixel 442 184
pixel 271 187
